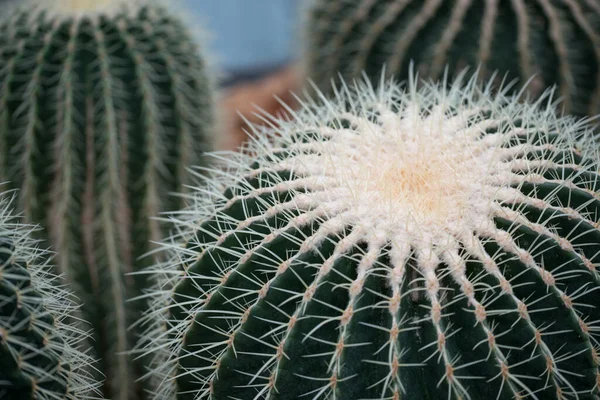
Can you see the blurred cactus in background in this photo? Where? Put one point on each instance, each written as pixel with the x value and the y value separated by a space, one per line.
pixel 103 105
pixel 557 40
pixel 397 243
pixel 40 356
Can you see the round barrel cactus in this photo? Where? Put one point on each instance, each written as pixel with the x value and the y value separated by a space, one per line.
pixel 551 42
pixel 103 105
pixel 40 351
pixel 399 243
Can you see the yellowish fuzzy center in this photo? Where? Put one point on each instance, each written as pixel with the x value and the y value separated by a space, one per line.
pixel 428 177
pixel 416 182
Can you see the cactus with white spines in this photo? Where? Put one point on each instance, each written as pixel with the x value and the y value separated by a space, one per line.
pixel 103 105
pixel 556 41
pixel 40 348
pixel 397 243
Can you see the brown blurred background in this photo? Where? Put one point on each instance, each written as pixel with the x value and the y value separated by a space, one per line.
pixel 244 98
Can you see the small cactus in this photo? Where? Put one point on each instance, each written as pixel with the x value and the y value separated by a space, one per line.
pixel 557 41
pixel 103 105
pixel 391 243
pixel 40 357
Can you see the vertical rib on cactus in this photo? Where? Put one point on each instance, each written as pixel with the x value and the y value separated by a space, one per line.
pixel 102 107
pixel 390 243
pixel 39 353
pixel 556 41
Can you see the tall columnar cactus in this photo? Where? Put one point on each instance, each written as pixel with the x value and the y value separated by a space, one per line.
pixel 397 243
pixel 40 355
pixel 103 105
pixel 558 41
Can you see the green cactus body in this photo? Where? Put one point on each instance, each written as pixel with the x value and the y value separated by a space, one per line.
pixel 103 104
pixel 397 243
pixel 39 354
pixel 557 41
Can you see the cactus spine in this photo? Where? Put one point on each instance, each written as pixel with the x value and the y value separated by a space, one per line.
pixel 102 107
pixel 397 243
pixel 39 353
pixel 558 41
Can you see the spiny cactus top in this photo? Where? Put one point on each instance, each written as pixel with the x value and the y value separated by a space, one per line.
pixel 39 353
pixel 394 244
pixel 103 105
pixel 557 40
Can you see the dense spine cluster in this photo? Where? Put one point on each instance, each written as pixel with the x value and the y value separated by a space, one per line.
pixel 103 105
pixel 556 41
pixel 40 357
pixel 397 243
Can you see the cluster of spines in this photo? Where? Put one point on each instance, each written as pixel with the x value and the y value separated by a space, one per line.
pixel 100 114
pixel 558 43
pixel 40 337
pixel 270 262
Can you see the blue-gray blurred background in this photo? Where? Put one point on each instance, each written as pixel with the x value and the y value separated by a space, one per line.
pixel 249 38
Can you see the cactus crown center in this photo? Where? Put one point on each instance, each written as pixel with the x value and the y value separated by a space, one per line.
pixel 428 170
pixel 413 184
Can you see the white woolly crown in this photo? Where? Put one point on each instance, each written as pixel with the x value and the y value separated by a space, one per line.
pixel 412 169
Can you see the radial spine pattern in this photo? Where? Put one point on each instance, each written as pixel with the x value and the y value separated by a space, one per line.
pixel 103 106
pixel 555 41
pixel 401 243
pixel 40 350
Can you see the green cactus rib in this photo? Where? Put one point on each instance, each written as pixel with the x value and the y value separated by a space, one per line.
pixel 555 41
pixel 39 353
pixel 100 115
pixel 391 243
